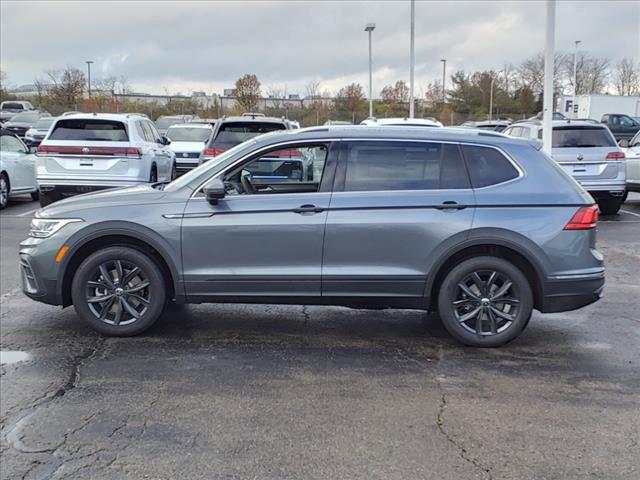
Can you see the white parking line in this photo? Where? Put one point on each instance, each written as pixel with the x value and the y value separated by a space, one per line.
pixel 631 213
pixel 30 212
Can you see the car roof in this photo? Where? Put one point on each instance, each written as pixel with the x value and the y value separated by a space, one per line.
pixel 400 121
pixel 345 132
pixel 253 119
pixel 103 116
pixel 562 123
pixel 206 126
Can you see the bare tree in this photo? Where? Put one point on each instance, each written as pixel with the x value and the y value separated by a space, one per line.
pixel 626 77
pixel 42 88
pixel 248 91
pixel 433 94
pixel 531 72
pixel 276 96
pixel 312 89
pixel 67 86
pixel 592 73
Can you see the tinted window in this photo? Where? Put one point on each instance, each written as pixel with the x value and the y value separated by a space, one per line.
pixel 233 133
pixel 44 123
pixel 568 137
pixel 188 134
pixel 487 166
pixel 403 166
pixel 94 130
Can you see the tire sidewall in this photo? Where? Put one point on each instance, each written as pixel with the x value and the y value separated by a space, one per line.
pixel 157 289
pixel 8 187
pixel 448 290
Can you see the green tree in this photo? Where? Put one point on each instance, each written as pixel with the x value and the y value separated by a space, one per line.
pixel 248 92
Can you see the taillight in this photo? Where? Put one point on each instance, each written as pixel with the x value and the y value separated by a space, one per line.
pixel 113 151
pixel 584 219
pixel 213 151
pixel 615 156
pixel 134 152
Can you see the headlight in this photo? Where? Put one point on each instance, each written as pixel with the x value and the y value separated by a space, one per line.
pixel 43 228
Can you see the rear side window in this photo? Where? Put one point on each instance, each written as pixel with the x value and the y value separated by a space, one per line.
pixel 377 166
pixel 233 133
pixel 487 166
pixel 572 137
pixel 92 130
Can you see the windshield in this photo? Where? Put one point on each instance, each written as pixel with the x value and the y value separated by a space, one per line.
pixel 233 133
pixel 573 137
pixel 44 123
pixel 188 134
pixel 27 117
pixel 196 172
pixel 166 122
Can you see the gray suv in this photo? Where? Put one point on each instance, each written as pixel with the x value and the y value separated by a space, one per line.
pixel 475 225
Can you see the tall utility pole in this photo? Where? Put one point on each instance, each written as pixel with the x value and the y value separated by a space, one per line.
pixel 491 100
pixel 444 79
pixel 370 28
pixel 89 62
pixel 547 103
pixel 575 78
pixel 412 58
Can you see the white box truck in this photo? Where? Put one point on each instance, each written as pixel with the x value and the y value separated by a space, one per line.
pixel 595 106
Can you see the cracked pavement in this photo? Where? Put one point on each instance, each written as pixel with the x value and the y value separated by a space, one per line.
pixel 282 392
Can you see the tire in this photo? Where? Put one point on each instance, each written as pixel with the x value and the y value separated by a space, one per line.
pixel 174 172
pixel 153 176
pixel 494 329
pixel 5 188
pixel 610 206
pixel 35 196
pixel 48 198
pixel 143 293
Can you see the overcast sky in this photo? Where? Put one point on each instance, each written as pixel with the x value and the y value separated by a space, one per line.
pixel 184 46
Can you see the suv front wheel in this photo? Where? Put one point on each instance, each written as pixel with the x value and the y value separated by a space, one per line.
pixel 485 302
pixel 119 291
pixel 610 206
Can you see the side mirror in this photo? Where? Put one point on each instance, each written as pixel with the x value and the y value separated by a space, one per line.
pixel 624 142
pixel 165 140
pixel 214 191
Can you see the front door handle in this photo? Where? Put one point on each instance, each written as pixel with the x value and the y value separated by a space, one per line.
pixel 308 208
pixel 451 205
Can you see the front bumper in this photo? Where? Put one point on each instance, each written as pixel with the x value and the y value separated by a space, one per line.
pixel 570 292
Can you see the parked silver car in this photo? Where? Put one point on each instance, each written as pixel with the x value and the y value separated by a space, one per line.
pixel 478 226
pixel 587 151
pixel 17 169
pixel 85 152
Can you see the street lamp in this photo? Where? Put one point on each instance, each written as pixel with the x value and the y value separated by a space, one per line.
pixel 444 77
pixel 370 28
pixel 89 62
pixel 575 77
pixel 412 59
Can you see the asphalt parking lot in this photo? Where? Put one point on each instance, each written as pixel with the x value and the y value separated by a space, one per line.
pixel 278 392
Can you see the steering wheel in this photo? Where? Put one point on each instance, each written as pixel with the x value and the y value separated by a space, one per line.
pixel 247 186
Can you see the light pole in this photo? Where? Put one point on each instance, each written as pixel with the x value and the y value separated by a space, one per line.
pixel 444 79
pixel 547 96
pixel 370 28
pixel 491 97
pixel 575 77
pixel 412 58
pixel 89 62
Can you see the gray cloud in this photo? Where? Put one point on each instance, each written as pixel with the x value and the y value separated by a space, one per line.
pixel 186 45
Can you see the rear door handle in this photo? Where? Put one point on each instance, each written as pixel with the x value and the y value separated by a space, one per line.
pixel 308 208
pixel 451 205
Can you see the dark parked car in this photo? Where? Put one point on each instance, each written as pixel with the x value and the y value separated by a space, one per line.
pixel 478 226
pixel 231 131
pixel 21 122
pixel 622 126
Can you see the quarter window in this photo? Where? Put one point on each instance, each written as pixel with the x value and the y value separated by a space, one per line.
pixel 376 166
pixel 487 166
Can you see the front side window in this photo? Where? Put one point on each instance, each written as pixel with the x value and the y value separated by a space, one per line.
pixel 388 166
pixel 626 122
pixel 488 166
pixel 10 144
pixel 289 170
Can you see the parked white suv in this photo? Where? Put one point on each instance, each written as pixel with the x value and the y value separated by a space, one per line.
pixel 87 152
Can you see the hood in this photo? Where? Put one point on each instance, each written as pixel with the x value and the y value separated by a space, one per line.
pixel 18 124
pixel 140 194
pixel 187 146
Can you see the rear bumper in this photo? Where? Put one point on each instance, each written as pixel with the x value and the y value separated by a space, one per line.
pixel 570 292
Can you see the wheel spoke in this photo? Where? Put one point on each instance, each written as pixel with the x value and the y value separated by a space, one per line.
pixel 118 317
pixel 492 321
pixel 94 284
pixel 130 275
pixel 479 283
pixel 508 301
pixel 502 290
pixel 465 301
pixel 99 298
pixel 127 306
pixel 139 298
pixel 468 316
pixel 119 270
pixel 492 278
pixel 106 307
pixel 479 323
pixel 138 287
pixel 501 314
pixel 462 286
pixel 106 276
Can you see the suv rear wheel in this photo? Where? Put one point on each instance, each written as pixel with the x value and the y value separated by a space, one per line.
pixel 610 206
pixel 119 291
pixel 485 302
